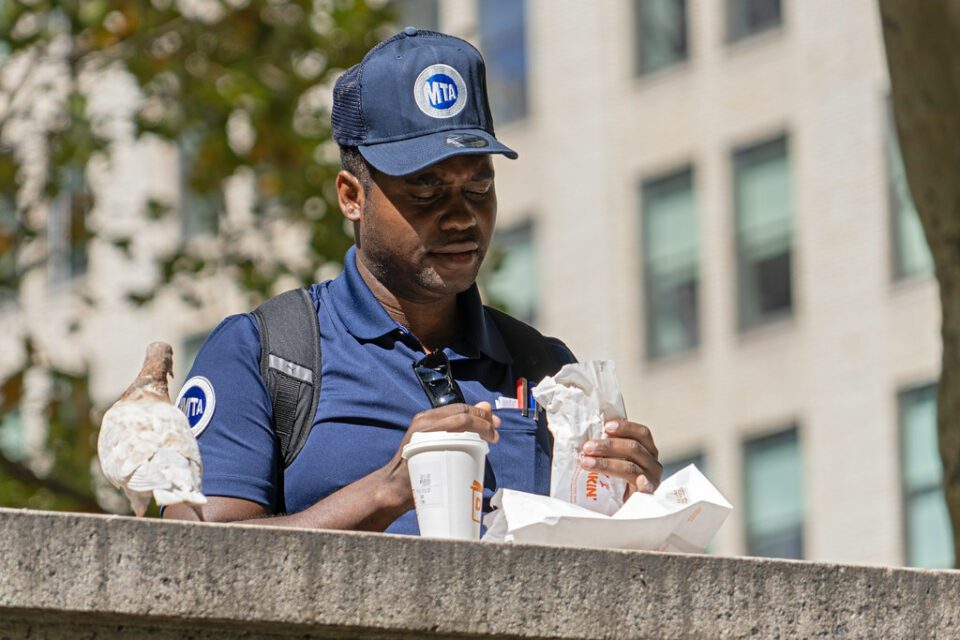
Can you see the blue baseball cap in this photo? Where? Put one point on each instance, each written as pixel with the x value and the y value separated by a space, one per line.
pixel 415 99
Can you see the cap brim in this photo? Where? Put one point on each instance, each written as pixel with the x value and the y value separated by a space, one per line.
pixel 403 157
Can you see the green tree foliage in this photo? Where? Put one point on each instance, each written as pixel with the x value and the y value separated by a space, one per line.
pixel 242 87
pixel 72 436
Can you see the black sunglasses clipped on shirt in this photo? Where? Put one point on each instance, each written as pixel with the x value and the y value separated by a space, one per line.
pixel 436 378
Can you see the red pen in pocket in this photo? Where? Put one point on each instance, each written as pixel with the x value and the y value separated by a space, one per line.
pixel 523 396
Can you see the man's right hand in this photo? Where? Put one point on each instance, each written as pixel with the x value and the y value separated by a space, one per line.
pixel 459 417
pixel 478 418
pixel 372 502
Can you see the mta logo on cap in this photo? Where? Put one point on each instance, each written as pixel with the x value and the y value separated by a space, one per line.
pixel 440 91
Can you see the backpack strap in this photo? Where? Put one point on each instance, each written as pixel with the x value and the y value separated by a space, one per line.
pixel 290 366
pixel 533 354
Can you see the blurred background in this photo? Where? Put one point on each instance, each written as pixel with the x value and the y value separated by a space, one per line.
pixel 709 192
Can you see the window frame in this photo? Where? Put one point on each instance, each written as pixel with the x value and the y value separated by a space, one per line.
pixel 744 327
pixel 646 184
pixel 487 45
pixel 907 494
pixel 731 38
pixel 9 226
pixel 13 418
pixel 792 430
pixel 677 463
pixel 68 237
pixel 642 70
pixel 188 201
pixel 526 225
pixel 892 142
pixel 190 345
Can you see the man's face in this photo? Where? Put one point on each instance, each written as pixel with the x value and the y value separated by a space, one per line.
pixel 424 235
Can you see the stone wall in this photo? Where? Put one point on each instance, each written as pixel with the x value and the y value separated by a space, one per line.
pixel 79 576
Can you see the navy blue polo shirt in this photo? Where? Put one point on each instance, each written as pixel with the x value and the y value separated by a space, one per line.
pixel 368 395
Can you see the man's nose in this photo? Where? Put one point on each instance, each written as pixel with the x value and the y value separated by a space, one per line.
pixel 457 217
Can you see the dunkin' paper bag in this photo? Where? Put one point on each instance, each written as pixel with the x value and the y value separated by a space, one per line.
pixel 683 514
pixel 577 401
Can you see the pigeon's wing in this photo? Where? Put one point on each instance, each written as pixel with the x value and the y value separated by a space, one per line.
pixel 126 440
pixel 147 477
pixel 174 430
pixel 180 461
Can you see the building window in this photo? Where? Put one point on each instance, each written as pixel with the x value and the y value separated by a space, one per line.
pixel 12 442
pixel 422 14
pixel 773 486
pixel 762 204
pixel 929 536
pixel 911 254
pixel 199 212
pixel 8 256
pixel 510 279
pixel 191 347
pixel 671 466
pixel 670 263
pixel 67 234
pixel 503 41
pixel 660 29
pixel 747 17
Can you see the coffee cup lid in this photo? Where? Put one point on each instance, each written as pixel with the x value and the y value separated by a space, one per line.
pixel 444 441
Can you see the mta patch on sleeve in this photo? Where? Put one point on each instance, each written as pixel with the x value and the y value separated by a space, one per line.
pixel 197 401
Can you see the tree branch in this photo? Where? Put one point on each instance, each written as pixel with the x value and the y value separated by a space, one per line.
pixel 20 472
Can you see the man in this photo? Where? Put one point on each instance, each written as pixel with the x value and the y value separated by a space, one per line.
pixel 416 139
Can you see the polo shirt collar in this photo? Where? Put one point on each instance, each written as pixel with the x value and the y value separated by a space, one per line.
pixel 366 319
pixel 361 312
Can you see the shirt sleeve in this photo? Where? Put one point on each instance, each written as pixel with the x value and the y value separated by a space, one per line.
pixel 237 444
pixel 562 351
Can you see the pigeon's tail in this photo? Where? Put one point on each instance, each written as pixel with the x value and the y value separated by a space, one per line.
pixel 169 478
pixel 193 499
pixel 139 500
pixel 166 497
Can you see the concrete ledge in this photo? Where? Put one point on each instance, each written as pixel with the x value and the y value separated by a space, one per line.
pixel 78 576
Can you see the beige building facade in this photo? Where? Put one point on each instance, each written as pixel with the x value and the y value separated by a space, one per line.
pixel 797 413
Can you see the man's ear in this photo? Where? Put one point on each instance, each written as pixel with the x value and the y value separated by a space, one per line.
pixel 350 195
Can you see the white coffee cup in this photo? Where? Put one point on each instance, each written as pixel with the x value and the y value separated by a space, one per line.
pixel 446 474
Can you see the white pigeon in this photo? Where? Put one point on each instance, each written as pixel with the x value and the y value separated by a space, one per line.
pixel 145 444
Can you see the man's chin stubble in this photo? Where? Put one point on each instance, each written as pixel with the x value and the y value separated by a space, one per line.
pixel 430 280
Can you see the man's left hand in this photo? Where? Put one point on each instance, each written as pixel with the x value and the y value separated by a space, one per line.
pixel 627 452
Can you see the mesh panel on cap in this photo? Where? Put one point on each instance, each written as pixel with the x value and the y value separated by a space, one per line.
pixel 346 117
pixel 349 128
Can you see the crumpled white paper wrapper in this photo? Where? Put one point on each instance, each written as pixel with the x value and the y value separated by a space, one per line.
pixel 683 514
pixel 577 401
